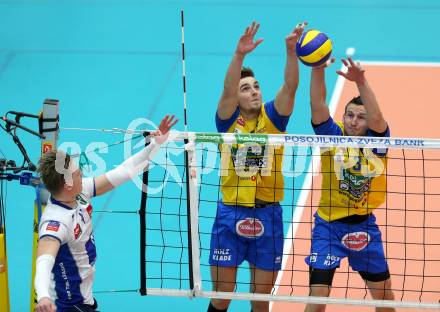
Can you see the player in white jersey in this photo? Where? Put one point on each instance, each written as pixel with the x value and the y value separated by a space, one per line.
pixel 66 252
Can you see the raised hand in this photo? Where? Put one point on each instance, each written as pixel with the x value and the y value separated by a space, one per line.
pixel 293 37
pixel 246 43
pixel 354 70
pixel 165 125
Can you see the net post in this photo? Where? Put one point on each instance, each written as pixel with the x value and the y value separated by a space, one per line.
pixel 192 203
pixel 142 226
pixel 49 127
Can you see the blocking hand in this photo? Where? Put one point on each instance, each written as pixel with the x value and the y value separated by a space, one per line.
pixel 246 43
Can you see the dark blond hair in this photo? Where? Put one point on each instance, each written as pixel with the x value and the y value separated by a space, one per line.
pixel 52 179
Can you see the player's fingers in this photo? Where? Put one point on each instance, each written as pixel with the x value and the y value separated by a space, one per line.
pixel 171 121
pixel 257 43
pixel 296 27
pixel 163 121
pixel 175 121
pixel 351 61
pixel 256 27
pixel 251 28
pixel 341 73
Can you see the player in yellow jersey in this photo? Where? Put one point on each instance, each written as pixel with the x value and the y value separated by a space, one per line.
pixel 248 225
pixel 353 185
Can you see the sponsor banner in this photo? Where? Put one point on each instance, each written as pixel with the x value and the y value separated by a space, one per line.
pixel 312 140
pixel 242 138
pixel 209 137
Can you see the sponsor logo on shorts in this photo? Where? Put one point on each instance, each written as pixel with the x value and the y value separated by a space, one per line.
pixel 356 241
pixel 250 227
pixel 53 226
pixel 221 254
pixel 313 257
pixel 331 259
pixel 77 231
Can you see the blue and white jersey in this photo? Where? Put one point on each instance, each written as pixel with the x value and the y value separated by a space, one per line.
pixel 74 267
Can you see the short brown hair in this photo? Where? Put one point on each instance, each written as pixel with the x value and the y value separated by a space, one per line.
pixel 357 100
pixel 247 72
pixel 52 179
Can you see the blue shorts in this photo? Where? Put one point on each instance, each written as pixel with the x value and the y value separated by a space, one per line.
pixel 361 243
pixel 253 234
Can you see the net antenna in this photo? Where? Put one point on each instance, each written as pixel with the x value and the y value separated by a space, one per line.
pixel 192 196
pixel 185 120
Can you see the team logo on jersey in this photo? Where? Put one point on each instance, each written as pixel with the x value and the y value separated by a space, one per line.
pixel 356 241
pixel 53 226
pixel 81 200
pixel 355 184
pixel 250 227
pixel 241 122
pixel 77 231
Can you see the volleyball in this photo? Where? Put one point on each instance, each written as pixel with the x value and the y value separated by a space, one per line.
pixel 313 48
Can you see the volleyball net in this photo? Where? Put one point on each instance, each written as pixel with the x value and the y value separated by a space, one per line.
pixel 184 188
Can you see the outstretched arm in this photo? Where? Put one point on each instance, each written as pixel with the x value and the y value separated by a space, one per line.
pixel 285 97
pixel 229 99
pixel 136 163
pixel 356 73
pixel 318 93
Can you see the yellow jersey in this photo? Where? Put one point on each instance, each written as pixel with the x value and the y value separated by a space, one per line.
pixel 353 179
pixel 251 171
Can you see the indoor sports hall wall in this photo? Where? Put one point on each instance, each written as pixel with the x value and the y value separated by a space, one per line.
pixel 111 61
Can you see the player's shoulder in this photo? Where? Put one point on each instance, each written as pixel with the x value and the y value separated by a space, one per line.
pixel 270 112
pixel 58 213
pixel 329 127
